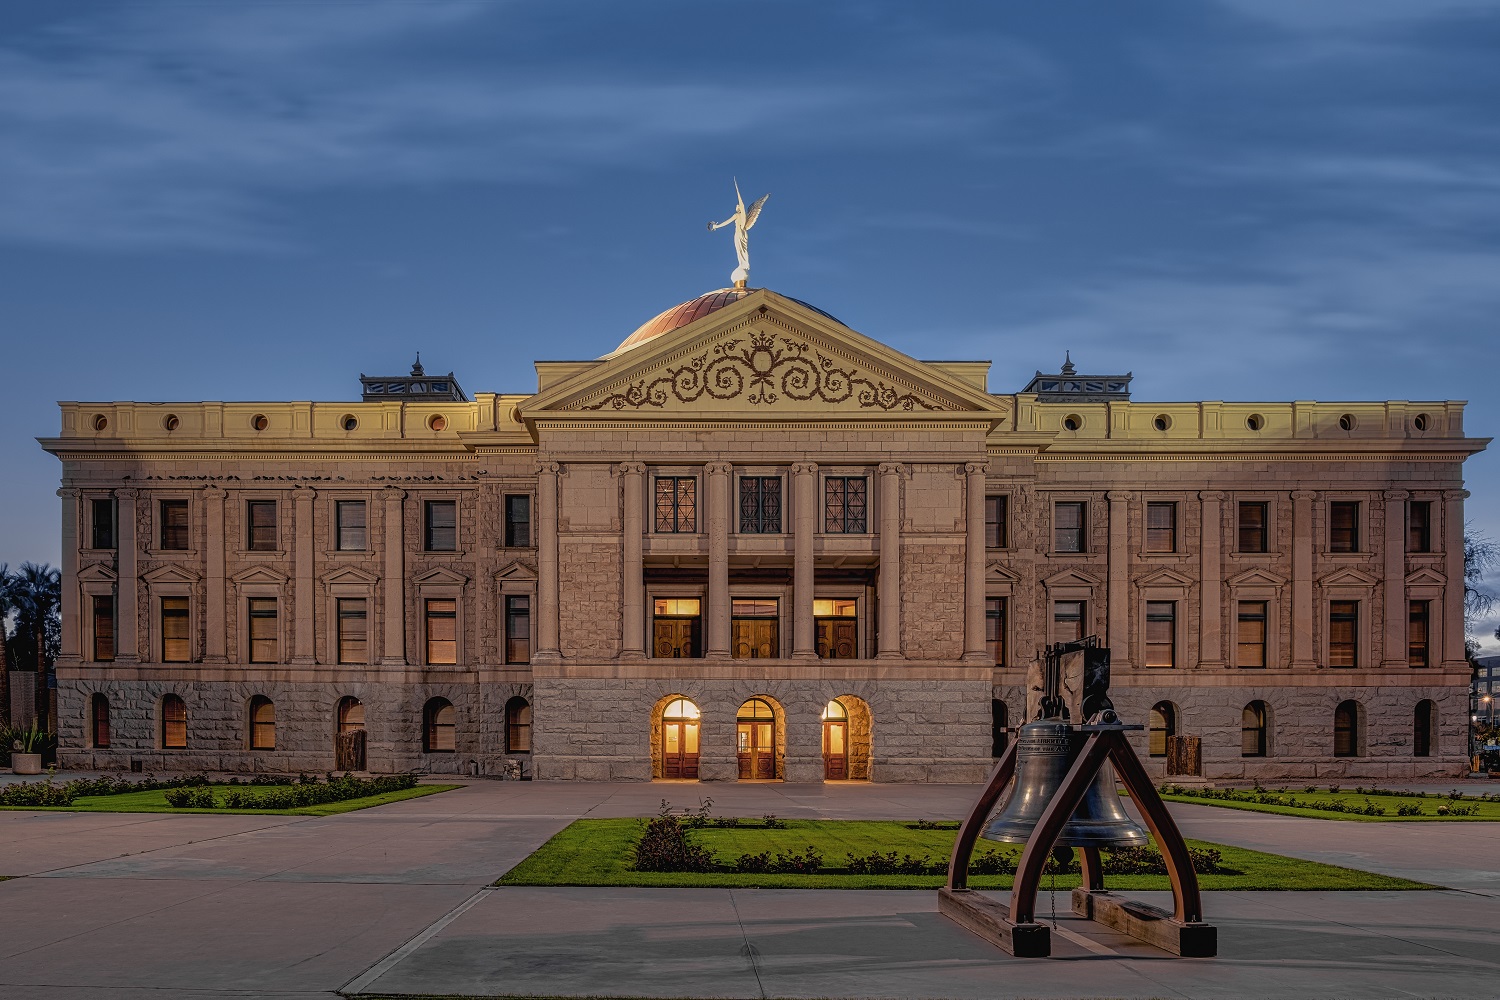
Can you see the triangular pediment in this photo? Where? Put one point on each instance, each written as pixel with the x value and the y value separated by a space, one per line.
pixel 517 569
pixel 351 575
pixel 1256 578
pixel 1164 578
pixel 1348 577
pixel 998 572
pixel 259 574
pixel 172 573
pixel 442 576
pixel 1069 578
pixel 1426 577
pixel 765 355
pixel 97 573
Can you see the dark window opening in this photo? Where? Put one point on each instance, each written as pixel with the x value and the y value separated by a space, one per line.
pixel 518 520
pixel 174 524
pixel 441 526
pixel 1254 522
pixel 261 516
pixel 760 505
pixel 352 525
pixel 518 628
pixel 676 504
pixel 845 505
pixel 1067 527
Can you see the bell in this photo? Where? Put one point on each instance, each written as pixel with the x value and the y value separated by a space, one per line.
pixel 1043 755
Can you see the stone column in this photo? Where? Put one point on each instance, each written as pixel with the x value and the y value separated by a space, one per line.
pixel 1119 577
pixel 1211 580
pixel 548 598
pixel 215 586
pixel 394 612
pixel 302 562
pixel 128 611
pixel 68 654
pixel 890 559
pixel 1396 610
pixel 974 651
pixel 1453 593
pixel 1302 580
pixel 805 512
pixel 719 512
pixel 633 588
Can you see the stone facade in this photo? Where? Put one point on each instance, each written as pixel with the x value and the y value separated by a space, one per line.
pixel 765 389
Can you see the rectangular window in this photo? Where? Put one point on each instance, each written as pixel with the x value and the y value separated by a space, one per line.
pixel 1067 527
pixel 1417 641
pixel 1343 527
pixel 836 627
pixel 676 504
pixel 102 535
pixel 441 519
pixel 352 526
pixel 260 516
pixel 1252 634
pixel 1161 527
pixel 994 628
pixel 845 505
pixel 518 520
pixel 175 645
pixel 173 723
pixel 174 524
pixel 760 505
pixel 1254 526
pixel 104 628
pixel 996 522
pixel 1161 633
pixel 1343 633
pixel 1067 621
pixel 353 629
pixel 262 612
pixel 1419 526
pixel 518 629
pixel 677 627
pixel 442 631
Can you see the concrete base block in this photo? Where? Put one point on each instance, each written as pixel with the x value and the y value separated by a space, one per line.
pixel 991 920
pixel 1147 923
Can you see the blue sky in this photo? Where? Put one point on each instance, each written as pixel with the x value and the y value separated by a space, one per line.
pixel 1241 199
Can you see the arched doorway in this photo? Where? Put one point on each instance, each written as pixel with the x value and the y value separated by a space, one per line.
pixel 1424 717
pixel 679 739
pixel 349 741
pixel 835 741
pixel 755 740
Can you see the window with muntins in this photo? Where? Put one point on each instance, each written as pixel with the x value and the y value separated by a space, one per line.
pixel 1346 730
pixel 442 630
pixel 994 628
pixel 1419 526
pixel 996 522
pixel 353 630
pixel 262 611
pixel 441 533
pixel 440 727
pixel 174 524
pixel 518 726
pixel 1418 648
pixel 676 504
pixel 1252 634
pixel 1161 633
pixel 1343 527
pixel 103 524
pixel 1343 633
pixel 760 505
pixel 1254 525
pixel 176 646
pixel 262 723
pixel 1067 527
pixel 352 525
pixel 261 516
pixel 173 723
pixel 518 520
pixel 1067 621
pixel 1253 741
pixel 1163 724
pixel 1161 527
pixel 518 628
pixel 99 721
pixel 104 628
pixel 845 505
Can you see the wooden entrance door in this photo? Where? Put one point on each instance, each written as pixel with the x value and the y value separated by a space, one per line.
pixel 835 749
pixel 757 750
pixel 675 637
pixel 837 638
pixel 755 638
pixel 679 748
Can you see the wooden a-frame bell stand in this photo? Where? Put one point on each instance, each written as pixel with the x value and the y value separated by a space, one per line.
pixel 1015 927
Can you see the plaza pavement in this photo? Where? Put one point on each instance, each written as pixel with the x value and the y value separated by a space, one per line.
pixel 396 900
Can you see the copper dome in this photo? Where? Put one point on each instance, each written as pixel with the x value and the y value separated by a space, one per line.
pixel 688 312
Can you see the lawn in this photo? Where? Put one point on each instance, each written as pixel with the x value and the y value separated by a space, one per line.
pixel 593 852
pixel 155 801
pixel 1281 801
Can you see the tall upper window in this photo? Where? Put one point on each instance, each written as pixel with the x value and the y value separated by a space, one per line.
pixel 176 647
pixel 353 630
pixel 442 630
pixel 441 529
pixel 845 505
pixel 518 520
pixel 517 628
pixel 1067 527
pixel 1254 526
pixel 174 524
pixel 760 505
pixel 1161 527
pixel 1419 526
pixel 1343 633
pixel 676 504
pixel 104 627
pixel 1252 634
pixel 99 718
pixel 1343 526
pixel 1161 633
pixel 102 526
pixel 261 516
pixel 262 612
pixel 996 522
pixel 518 726
pixel 439 727
pixel 262 723
pixel 352 525
pixel 173 723
pixel 1067 621
pixel 994 628
pixel 1418 643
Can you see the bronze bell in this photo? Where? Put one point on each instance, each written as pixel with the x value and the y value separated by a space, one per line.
pixel 1044 753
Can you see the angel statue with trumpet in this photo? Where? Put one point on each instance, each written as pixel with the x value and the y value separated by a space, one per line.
pixel 743 219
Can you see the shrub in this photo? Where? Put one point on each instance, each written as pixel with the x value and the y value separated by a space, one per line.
pixel 772 823
pixel 664 847
pixel 993 862
pixel 191 797
pixel 1409 809
pixel 876 863
pixel 36 793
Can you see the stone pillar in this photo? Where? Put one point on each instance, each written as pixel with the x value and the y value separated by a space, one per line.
pixel 394 612
pixel 548 598
pixel 974 647
pixel 1211 580
pixel 1453 593
pixel 128 611
pixel 1396 610
pixel 805 512
pixel 1302 580
pixel 68 654
pixel 1119 578
pixel 215 586
pixel 719 512
pixel 890 559
pixel 302 562
pixel 633 588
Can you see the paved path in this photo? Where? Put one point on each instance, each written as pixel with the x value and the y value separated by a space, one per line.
pixel 394 900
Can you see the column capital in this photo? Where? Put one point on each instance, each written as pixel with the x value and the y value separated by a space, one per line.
pixel 392 494
pixel 212 492
pixel 718 468
pixel 549 468
pixel 972 469
pixel 804 468
pixel 1211 496
pixel 302 492
pixel 69 493
pixel 891 468
pixel 127 493
pixel 1119 496
pixel 1455 496
pixel 1304 494
pixel 1396 496
pixel 631 469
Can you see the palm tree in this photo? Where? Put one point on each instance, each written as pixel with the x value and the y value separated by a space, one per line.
pixel 5 609
pixel 36 593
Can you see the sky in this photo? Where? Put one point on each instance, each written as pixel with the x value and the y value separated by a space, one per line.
pixel 1233 199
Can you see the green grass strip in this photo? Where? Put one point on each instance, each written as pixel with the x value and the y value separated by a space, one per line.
pixel 155 801
pixel 1489 811
pixel 598 852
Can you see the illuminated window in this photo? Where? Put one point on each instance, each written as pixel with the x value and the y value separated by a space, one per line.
pixel 353 629
pixel 1161 633
pixel 676 504
pixel 754 628
pixel 677 627
pixel 262 723
pixel 176 646
pixel 173 723
pixel 104 628
pixel 442 630
pixel 1252 634
pixel 517 628
pixel 1343 633
pixel 1163 725
pixel 518 726
pixel 262 613
pixel 439 727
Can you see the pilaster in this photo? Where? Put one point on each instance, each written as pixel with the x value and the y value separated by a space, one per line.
pixel 68 652
pixel 1453 593
pixel 718 560
pixel 974 486
pixel 1302 580
pixel 890 559
pixel 394 616
pixel 549 600
pixel 804 525
pixel 1118 586
pixel 128 612
pixel 633 588
pixel 1211 580
pixel 302 561
pixel 215 585
pixel 1394 654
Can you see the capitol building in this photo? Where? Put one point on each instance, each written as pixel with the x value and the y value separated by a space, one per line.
pixel 751 543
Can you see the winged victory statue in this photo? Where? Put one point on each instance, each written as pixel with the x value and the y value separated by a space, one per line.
pixel 743 219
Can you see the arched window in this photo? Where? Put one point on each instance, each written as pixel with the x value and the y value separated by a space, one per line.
pixel 518 726
pixel 999 720
pixel 1163 725
pixel 262 723
pixel 173 723
pixel 1423 728
pixel 439 727
pixel 1346 729
pixel 351 715
pixel 1254 738
pixel 755 708
pixel 99 721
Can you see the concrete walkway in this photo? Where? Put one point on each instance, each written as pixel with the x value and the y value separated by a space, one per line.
pixel 395 900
